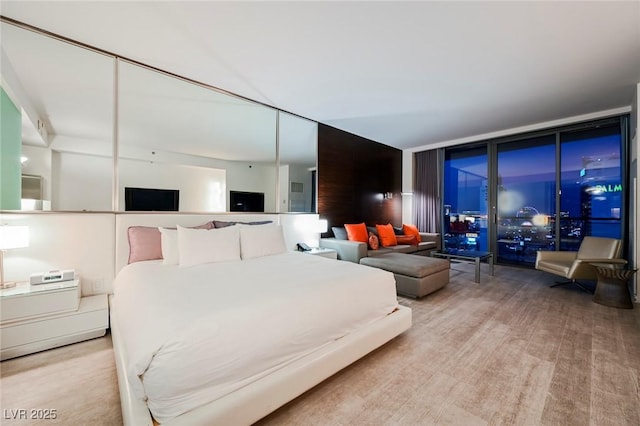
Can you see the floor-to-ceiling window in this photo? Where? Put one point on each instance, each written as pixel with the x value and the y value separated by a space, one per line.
pixel 465 199
pixel 526 199
pixel 591 185
pixel 543 191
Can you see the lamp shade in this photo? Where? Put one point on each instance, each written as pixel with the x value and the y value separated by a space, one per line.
pixel 12 237
pixel 321 226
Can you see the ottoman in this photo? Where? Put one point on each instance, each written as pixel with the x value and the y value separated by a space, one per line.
pixel 416 276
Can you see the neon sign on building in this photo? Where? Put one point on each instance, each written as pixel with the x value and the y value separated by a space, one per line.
pixel 601 189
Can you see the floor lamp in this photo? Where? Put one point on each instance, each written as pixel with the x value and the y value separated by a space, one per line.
pixel 11 237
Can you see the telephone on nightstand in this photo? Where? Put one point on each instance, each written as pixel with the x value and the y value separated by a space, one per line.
pixel 303 247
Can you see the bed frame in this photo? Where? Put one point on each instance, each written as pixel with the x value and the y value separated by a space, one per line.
pixel 254 401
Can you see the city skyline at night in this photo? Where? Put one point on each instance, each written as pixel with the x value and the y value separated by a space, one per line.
pixel 590 201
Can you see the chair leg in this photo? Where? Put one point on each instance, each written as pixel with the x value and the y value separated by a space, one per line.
pixel 579 285
pixel 559 283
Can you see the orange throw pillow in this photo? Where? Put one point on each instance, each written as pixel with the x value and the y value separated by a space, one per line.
pixel 407 239
pixel 386 235
pixel 357 232
pixel 374 243
pixel 411 230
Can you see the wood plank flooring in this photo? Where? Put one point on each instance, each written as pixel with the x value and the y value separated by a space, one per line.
pixel 507 351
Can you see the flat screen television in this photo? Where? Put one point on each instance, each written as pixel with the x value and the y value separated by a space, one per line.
pixel 240 201
pixel 149 199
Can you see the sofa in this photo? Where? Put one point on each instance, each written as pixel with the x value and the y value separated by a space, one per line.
pixel 353 251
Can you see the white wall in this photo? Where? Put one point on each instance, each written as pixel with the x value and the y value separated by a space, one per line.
pixel 94 244
pixel 201 189
pixel 240 175
pixel 295 201
pixel 80 241
pixel 300 173
pixel 254 177
pixel 81 182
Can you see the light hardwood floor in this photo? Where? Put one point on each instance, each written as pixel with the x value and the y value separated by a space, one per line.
pixel 509 350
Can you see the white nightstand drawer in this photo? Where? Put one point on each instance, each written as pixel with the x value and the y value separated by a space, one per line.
pixel 24 337
pixel 38 302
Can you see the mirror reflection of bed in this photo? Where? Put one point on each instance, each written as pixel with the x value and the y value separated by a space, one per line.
pixel 247 326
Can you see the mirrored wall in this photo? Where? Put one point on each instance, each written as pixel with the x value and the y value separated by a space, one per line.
pixel 60 100
pixel 298 140
pixel 181 146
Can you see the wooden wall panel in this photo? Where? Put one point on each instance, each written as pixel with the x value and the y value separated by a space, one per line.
pixel 353 173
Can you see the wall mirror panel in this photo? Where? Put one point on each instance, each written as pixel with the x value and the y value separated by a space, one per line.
pixel 196 149
pixel 57 120
pixel 298 141
pixel 182 145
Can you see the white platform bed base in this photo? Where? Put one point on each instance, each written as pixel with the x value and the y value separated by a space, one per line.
pixel 265 395
pixel 254 401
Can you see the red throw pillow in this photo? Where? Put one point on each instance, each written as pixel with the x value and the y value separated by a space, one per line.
pixel 357 232
pixel 411 230
pixel 386 235
pixel 374 243
pixel 407 239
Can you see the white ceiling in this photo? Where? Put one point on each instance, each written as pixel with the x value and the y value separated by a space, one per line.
pixel 407 74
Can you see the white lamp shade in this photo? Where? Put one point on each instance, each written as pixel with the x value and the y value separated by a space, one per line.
pixel 321 226
pixel 12 237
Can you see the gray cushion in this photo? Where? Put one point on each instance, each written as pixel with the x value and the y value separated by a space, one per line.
pixel 406 264
pixel 403 248
pixel 426 245
pixel 379 252
pixel 400 248
pixel 339 232
pixel 223 224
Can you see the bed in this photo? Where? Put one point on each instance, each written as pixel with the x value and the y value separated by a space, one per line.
pixel 228 342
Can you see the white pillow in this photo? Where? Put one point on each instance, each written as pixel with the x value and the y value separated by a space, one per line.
pixel 169 241
pixel 198 246
pixel 261 240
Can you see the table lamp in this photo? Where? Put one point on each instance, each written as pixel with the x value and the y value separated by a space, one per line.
pixel 11 237
pixel 321 226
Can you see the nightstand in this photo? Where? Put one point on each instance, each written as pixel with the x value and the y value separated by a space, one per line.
pixel 39 317
pixel 324 252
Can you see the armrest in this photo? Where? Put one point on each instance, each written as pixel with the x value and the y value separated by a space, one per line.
pixel 432 237
pixel 351 251
pixel 560 256
pixel 609 261
pixel 584 268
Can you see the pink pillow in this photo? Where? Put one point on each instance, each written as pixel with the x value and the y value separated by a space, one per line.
pixel 145 242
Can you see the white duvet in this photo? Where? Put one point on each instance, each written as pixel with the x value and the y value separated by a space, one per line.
pixel 193 335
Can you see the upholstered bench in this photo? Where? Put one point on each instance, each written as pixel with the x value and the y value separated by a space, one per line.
pixel 416 276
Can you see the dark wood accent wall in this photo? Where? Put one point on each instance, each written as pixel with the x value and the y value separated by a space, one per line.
pixel 353 174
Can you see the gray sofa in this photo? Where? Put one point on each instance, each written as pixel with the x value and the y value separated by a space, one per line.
pixel 353 251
